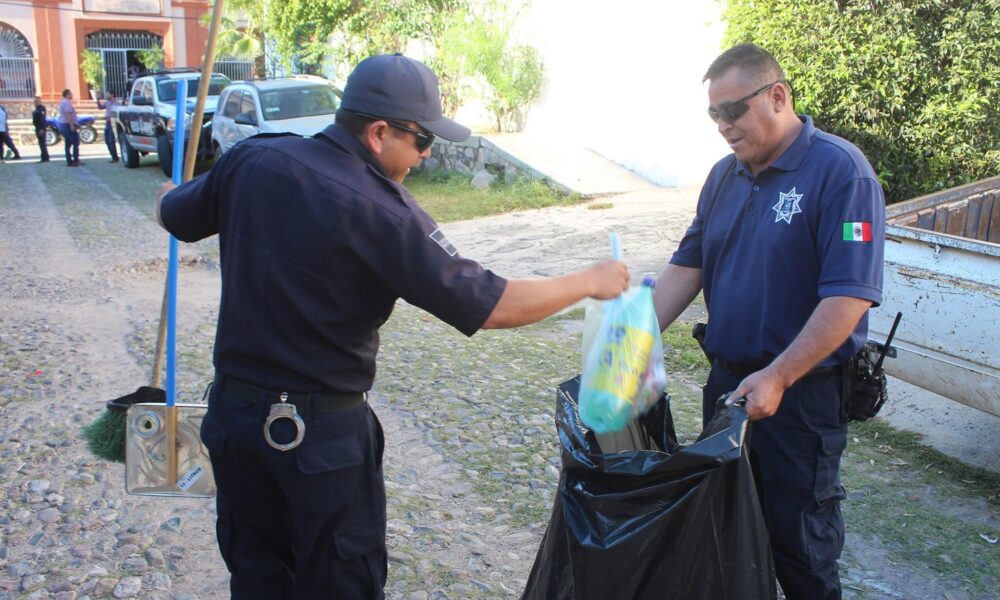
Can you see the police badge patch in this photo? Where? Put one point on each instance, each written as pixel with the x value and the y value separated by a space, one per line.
pixel 788 205
pixel 438 236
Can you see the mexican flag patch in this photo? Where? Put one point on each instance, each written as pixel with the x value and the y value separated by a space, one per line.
pixel 860 231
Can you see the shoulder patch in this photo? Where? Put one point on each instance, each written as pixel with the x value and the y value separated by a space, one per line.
pixel 438 236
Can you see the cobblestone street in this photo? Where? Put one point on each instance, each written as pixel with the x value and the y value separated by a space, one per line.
pixel 471 461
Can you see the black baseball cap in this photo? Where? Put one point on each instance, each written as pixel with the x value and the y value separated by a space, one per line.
pixel 394 86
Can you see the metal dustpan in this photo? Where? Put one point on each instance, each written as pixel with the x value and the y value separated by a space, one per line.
pixel 146 456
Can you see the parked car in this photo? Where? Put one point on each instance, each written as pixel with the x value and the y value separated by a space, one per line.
pixel 85 127
pixel 304 104
pixel 146 120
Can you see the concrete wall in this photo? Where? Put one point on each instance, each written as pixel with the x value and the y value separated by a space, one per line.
pixel 21 17
pixel 478 153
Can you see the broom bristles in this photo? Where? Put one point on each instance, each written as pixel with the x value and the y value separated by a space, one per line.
pixel 106 436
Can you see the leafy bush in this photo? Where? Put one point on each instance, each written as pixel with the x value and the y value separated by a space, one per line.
pixel 480 47
pixel 151 58
pixel 913 83
pixel 92 68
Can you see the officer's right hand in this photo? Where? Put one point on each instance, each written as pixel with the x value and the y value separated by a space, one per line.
pixel 608 279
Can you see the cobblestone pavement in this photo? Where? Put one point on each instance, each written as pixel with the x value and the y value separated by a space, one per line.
pixel 471 459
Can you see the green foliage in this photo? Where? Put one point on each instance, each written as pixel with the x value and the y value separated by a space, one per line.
pixel 92 67
pixel 914 83
pixel 151 58
pixel 450 196
pixel 241 35
pixel 480 47
pixel 301 29
pixel 469 51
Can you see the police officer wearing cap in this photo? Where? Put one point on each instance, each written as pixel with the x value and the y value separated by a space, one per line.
pixel 787 245
pixel 318 239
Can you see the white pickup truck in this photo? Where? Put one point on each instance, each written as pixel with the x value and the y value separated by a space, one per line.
pixel 942 271
pixel 145 122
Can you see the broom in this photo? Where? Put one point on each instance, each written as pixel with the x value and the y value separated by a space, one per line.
pixel 105 437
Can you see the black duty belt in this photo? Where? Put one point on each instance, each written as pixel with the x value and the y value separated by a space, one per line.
pixel 747 368
pixel 305 402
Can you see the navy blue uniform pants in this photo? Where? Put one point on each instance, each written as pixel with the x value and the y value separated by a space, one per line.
pixel 304 523
pixel 796 459
pixel 42 148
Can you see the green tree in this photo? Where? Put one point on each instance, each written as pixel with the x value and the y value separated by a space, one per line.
pixel 464 49
pixel 912 82
pixel 241 33
pixel 151 58
pixel 303 28
pixel 480 47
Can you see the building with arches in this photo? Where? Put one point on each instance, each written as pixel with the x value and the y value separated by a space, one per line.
pixel 41 42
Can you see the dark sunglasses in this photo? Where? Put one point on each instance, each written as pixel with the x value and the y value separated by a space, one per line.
pixel 424 138
pixel 732 111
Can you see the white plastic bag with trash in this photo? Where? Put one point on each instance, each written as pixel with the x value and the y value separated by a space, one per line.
pixel 623 372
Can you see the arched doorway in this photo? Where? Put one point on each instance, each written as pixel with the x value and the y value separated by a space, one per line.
pixel 17 65
pixel 118 50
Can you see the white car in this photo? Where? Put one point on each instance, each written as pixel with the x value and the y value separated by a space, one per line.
pixel 304 104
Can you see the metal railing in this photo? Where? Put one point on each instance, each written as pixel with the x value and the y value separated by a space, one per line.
pixel 235 70
pixel 17 78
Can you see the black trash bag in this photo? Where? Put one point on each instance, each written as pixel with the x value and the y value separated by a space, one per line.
pixel 659 521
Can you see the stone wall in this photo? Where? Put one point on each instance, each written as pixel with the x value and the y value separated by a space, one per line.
pixel 478 154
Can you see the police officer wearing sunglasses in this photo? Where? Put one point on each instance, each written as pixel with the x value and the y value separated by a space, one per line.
pixel 786 245
pixel 318 239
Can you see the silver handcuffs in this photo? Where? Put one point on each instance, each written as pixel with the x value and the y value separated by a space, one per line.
pixel 282 410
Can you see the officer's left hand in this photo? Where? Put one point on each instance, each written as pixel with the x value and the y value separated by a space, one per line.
pixel 763 391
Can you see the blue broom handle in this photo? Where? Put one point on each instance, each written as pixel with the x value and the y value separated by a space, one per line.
pixel 616 253
pixel 178 170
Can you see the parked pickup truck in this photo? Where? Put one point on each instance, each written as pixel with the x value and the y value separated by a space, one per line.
pixel 146 120
pixel 942 271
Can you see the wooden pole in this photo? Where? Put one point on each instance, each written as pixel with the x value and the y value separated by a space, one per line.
pixel 206 79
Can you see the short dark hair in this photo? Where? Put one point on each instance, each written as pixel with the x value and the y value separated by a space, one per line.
pixel 753 62
pixel 351 121
pixel 66 92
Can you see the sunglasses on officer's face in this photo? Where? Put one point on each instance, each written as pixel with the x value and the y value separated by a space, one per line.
pixel 424 138
pixel 732 111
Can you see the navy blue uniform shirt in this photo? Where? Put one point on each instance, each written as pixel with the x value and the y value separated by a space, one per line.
pixel 316 246
pixel 770 247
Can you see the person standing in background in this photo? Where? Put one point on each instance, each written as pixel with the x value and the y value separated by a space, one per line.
pixel 110 107
pixel 67 126
pixel 5 139
pixel 38 118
